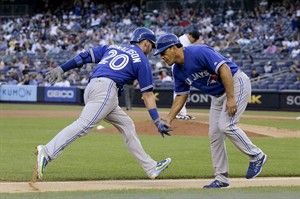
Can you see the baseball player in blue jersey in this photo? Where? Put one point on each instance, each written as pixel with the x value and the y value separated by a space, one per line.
pixel 203 68
pixel 116 66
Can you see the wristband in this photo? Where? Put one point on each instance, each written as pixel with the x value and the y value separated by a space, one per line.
pixel 154 114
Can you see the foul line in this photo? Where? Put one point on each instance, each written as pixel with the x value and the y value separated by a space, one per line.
pixel 21 187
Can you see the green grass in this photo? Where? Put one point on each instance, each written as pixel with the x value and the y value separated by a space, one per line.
pixel 276 123
pixel 273 113
pixel 105 156
pixel 236 193
pixel 6 106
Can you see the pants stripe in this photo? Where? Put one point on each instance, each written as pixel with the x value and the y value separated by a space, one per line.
pixel 89 125
pixel 232 119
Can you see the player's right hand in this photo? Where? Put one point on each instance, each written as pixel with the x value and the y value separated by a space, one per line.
pixel 163 127
pixel 54 75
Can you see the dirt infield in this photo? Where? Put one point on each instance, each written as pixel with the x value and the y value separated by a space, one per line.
pixel 180 127
pixel 197 127
pixel 21 187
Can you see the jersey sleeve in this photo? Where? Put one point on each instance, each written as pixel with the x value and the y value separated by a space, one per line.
pixel 144 78
pixel 97 53
pixel 93 55
pixel 181 87
pixel 212 59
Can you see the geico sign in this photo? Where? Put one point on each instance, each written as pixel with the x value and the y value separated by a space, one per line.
pixel 293 100
pixel 60 93
pixel 198 98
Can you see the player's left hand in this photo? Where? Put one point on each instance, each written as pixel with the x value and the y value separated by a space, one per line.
pixel 163 127
pixel 231 106
pixel 54 75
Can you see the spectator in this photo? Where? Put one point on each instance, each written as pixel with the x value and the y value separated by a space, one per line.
pixel 268 67
pixel 45 34
pixel 271 49
pixel 229 56
pixel 3 44
pixel 158 66
pixel 2 66
pixel 254 73
pixel 63 83
pixel 32 79
pixel 295 68
pixel 295 52
pixel 164 77
pixel 85 80
pixel 190 38
pixel 13 78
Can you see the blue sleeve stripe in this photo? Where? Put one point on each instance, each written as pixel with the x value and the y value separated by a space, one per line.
pixel 218 66
pixel 92 55
pixel 146 88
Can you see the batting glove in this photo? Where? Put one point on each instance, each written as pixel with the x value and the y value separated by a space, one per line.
pixel 55 75
pixel 163 127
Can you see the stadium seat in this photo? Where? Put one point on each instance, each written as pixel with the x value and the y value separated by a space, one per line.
pixel 263 86
pixel 254 86
pixel 273 86
pixel 293 87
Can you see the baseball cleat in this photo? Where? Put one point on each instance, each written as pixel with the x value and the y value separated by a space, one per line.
pixel 162 165
pixel 216 184
pixel 185 117
pixel 191 117
pixel 255 167
pixel 41 161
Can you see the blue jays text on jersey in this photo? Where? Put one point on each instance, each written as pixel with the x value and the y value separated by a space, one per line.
pixel 200 70
pixel 123 64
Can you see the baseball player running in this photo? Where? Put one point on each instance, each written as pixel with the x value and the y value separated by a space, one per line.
pixel 207 70
pixel 187 40
pixel 117 65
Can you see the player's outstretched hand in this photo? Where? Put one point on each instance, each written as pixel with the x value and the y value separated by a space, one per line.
pixel 163 127
pixel 54 75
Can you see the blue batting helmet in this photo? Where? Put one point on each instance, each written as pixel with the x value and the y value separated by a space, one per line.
pixel 166 41
pixel 141 34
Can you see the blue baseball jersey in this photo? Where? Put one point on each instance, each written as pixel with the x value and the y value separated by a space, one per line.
pixel 123 64
pixel 200 70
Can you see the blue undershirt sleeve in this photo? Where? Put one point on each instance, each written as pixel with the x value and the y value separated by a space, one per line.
pixel 78 61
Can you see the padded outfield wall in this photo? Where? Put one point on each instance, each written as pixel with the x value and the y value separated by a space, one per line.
pixel 260 100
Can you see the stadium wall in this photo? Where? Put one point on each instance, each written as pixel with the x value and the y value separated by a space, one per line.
pixel 260 100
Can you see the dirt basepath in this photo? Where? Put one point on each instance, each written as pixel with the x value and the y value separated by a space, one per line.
pixel 270 131
pixel 18 187
pixel 198 127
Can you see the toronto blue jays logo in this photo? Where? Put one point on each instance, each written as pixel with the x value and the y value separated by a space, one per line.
pixel 212 79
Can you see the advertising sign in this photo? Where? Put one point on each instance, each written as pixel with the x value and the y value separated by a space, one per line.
pixel 290 101
pixel 20 93
pixel 60 94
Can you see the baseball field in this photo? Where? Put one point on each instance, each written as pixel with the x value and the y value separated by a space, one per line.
pixel 99 166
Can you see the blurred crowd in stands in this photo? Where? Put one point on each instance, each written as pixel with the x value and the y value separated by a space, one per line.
pixel 262 41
